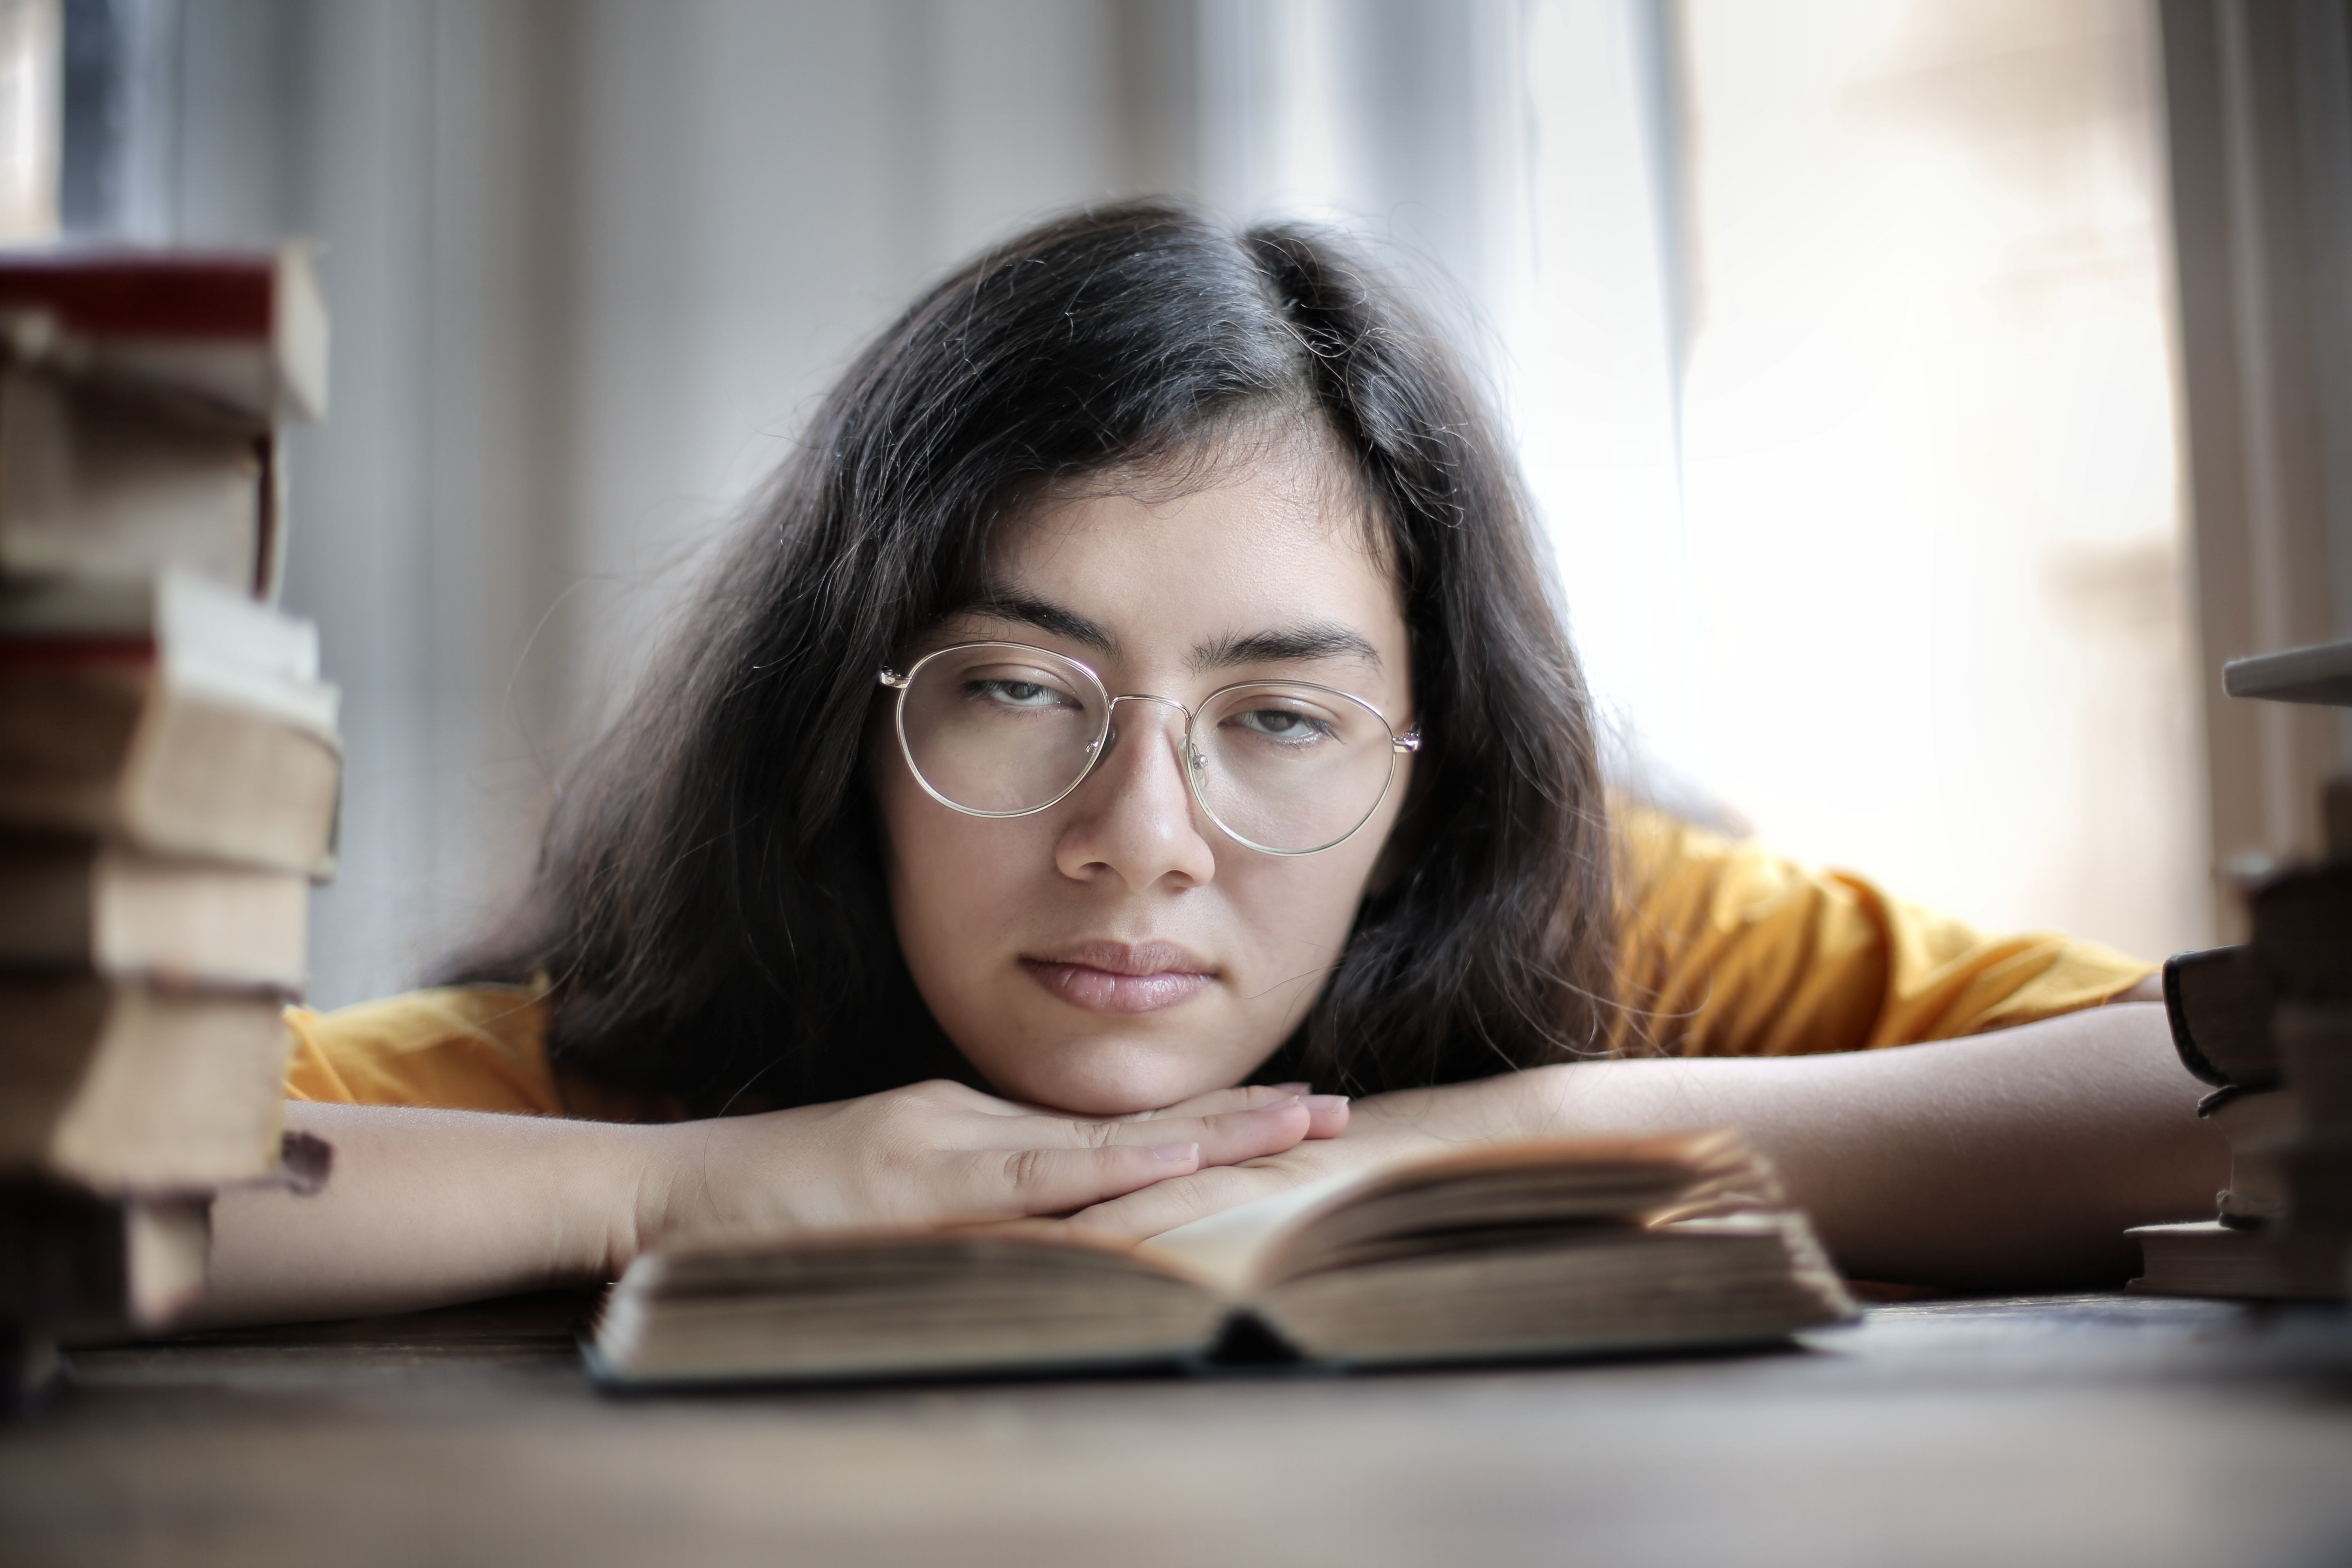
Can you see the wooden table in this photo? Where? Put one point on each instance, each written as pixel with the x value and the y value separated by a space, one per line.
pixel 2080 1430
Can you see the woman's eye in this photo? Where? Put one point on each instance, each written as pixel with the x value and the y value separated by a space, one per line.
pixel 1282 724
pixel 1015 693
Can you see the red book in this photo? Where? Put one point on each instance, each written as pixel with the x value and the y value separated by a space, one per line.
pixel 244 330
pixel 139 396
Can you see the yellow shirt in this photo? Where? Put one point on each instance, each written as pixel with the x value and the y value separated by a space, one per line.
pixel 1734 952
pixel 1729 951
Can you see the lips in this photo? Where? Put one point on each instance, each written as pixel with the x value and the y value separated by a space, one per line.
pixel 1120 977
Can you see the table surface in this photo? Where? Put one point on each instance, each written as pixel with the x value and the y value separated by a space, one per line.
pixel 2083 1430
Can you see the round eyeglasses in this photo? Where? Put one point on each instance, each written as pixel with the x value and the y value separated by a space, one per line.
pixel 1002 729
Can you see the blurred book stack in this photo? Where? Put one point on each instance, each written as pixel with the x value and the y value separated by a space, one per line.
pixel 2269 1024
pixel 169 770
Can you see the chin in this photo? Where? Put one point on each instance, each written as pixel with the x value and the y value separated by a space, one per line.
pixel 1106 1078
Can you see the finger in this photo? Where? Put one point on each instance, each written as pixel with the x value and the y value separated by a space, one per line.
pixel 1327 1114
pixel 1224 1139
pixel 1001 1183
pixel 1249 1097
pixel 1235 1135
pixel 1148 1211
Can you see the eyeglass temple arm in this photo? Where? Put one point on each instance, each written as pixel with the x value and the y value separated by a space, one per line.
pixel 897 682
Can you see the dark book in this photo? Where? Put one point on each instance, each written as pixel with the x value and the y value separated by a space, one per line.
pixel 2314 1044
pixel 1570 1248
pixel 2303 930
pixel 2270 1023
pixel 2219 1005
pixel 2316 1168
pixel 75 1263
pixel 79 1266
pixel 2209 1258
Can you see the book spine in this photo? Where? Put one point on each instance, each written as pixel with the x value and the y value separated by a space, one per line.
pixel 2184 1033
pixel 2219 1005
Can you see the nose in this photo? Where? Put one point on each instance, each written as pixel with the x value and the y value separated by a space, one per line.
pixel 1134 818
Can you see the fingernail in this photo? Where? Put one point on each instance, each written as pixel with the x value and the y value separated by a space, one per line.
pixel 1177 1153
pixel 1291 1087
pixel 1325 1101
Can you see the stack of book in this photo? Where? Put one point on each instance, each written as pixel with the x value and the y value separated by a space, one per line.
pixel 2269 1024
pixel 169 770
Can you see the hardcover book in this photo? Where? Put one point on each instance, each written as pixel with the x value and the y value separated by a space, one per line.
pixel 87 906
pixel 129 1087
pixel 173 715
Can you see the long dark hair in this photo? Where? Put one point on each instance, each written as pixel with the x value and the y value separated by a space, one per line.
pixel 709 901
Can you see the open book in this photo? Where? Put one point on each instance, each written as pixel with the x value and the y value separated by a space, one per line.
pixel 1513 1250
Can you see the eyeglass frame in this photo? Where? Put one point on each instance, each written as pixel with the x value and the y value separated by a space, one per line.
pixel 1195 764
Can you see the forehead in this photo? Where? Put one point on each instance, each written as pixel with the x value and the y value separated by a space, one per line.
pixel 1281 536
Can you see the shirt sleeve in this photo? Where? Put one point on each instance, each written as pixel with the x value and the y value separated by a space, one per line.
pixel 1726 950
pixel 460 1047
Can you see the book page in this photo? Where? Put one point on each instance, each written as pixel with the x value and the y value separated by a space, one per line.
pixel 1223 1249
pixel 1578 1179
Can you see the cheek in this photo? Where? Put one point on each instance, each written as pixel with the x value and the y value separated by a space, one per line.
pixel 1315 895
pixel 963 892
pixel 945 872
pixel 1294 912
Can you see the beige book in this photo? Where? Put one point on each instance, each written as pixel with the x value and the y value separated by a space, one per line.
pixel 168 712
pixel 108 908
pixel 128 1087
pixel 2209 1258
pixel 97 480
pixel 1506 1251
pixel 166 1258
pixel 2261 1128
pixel 117 750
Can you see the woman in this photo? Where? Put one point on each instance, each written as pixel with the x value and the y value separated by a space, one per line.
pixel 1139 685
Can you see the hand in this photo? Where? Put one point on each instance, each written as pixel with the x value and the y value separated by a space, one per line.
pixel 937 1153
pixel 1375 1130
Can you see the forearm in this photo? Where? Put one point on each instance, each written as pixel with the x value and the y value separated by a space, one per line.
pixel 2014 1158
pixel 426 1208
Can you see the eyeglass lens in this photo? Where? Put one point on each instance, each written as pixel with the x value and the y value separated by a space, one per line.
pixel 1002 729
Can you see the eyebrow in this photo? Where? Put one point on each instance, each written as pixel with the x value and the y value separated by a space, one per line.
pixel 1287 645
pixel 1290 644
pixel 1026 609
